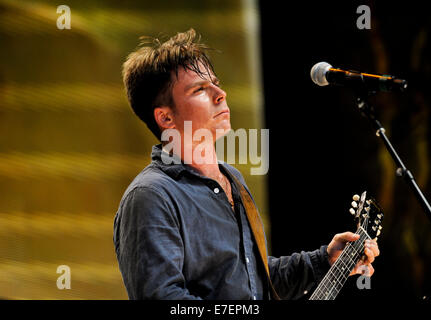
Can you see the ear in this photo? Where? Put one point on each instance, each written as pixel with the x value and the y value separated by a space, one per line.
pixel 164 117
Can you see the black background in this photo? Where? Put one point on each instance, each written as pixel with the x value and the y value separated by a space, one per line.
pixel 322 150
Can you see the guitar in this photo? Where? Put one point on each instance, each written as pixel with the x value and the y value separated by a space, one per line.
pixel 368 216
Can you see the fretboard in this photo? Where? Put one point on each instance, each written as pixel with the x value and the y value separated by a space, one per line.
pixel 337 275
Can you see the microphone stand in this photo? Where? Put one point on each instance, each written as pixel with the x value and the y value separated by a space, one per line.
pixel 368 111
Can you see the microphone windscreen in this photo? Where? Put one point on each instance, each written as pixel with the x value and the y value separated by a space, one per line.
pixel 318 72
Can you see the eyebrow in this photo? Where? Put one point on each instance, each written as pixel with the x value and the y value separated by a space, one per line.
pixel 215 81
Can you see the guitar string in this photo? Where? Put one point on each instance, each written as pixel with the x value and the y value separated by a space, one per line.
pixel 323 289
pixel 327 294
pixel 322 286
pixel 354 252
pixel 341 259
pixel 351 264
pixel 352 255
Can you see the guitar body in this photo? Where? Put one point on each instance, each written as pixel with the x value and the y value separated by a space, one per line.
pixel 334 280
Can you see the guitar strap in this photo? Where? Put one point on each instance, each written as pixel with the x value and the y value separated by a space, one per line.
pixel 256 227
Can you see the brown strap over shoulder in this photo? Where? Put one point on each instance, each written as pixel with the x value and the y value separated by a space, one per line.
pixel 256 227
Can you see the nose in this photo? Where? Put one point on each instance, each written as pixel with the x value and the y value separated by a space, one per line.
pixel 219 95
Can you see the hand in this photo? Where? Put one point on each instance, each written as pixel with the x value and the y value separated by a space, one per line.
pixel 371 251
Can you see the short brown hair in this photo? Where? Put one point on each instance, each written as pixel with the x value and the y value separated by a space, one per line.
pixel 148 72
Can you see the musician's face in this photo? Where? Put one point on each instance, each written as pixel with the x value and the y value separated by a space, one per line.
pixel 200 100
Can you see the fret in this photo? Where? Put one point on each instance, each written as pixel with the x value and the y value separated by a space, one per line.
pixel 337 275
pixel 339 271
pixel 334 279
pixel 353 252
pixel 337 283
pixel 343 264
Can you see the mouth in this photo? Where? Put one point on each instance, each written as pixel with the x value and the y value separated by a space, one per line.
pixel 225 111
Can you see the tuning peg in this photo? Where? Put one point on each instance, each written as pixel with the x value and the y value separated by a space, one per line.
pixel 356 197
pixel 367 209
pixel 378 233
pixel 354 204
pixel 352 211
pixel 380 215
pixel 376 222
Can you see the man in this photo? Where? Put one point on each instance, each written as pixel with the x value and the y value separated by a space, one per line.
pixel 181 230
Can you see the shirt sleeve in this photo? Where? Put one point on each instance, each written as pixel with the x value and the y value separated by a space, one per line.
pixel 149 247
pixel 295 275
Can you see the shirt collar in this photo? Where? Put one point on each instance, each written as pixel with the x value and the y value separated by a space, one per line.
pixel 175 167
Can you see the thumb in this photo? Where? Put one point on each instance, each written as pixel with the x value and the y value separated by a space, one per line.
pixel 346 236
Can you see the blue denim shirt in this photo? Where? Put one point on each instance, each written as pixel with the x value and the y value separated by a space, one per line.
pixel 177 237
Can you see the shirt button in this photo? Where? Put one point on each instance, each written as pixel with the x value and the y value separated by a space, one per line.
pixel 305 292
pixel 216 190
pixel 247 260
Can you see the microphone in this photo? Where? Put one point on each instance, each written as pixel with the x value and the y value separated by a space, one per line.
pixel 324 74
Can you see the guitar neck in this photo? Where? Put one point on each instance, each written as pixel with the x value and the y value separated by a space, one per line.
pixel 337 275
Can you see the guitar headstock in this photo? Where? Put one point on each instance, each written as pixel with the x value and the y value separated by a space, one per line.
pixel 368 214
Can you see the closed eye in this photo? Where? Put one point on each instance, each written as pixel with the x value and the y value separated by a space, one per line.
pixel 198 89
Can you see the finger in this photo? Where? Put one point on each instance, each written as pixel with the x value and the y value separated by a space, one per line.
pixel 372 244
pixel 366 270
pixel 358 268
pixel 369 254
pixel 346 236
pixel 370 270
pixel 362 268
